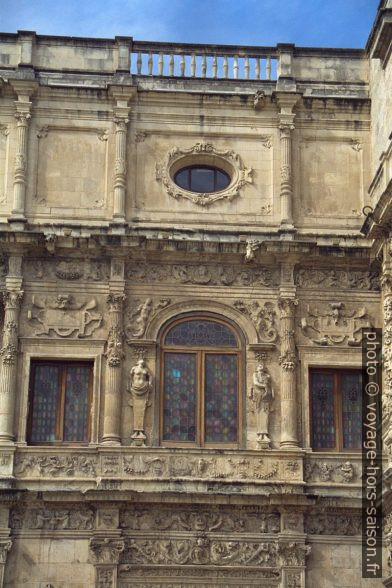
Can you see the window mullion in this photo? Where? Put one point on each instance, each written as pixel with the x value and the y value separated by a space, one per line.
pixel 339 420
pixel 61 407
pixel 200 398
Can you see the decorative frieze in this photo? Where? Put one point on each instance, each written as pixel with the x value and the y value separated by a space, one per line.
pixel 326 471
pixel 335 325
pixel 199 551
pixel 206 519
pixel 322 523
pixel 64 316
pixel 67 270
pixel 338 279
pixel 203 275
pixel 159 465
pixel 52 519
pixel 55 466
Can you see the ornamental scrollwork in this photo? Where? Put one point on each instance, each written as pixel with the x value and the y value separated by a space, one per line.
pixel 203 153
pixel 262 316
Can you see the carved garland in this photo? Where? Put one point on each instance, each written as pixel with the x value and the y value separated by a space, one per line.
pixel 204 154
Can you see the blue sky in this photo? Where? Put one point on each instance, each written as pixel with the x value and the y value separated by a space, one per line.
pixel 323 23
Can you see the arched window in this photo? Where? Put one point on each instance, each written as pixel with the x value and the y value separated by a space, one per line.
pixel 200 383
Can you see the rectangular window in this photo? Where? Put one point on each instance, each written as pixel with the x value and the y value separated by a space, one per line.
pixel 60 399
pixel 335 401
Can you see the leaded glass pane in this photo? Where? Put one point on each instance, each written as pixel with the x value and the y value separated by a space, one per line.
pixel 45 401
pixel 323 410
pixel 351 387
pixel 76 403
pixel 179 403
pixel 221 382
pixel 205 333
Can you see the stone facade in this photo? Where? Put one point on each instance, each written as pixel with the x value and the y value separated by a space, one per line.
pixel 101 250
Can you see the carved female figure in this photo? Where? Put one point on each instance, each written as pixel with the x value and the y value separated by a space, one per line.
pixel 140 387
pixel 262 395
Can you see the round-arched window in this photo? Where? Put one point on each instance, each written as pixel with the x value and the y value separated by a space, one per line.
pixel 202 179
pixel 200 383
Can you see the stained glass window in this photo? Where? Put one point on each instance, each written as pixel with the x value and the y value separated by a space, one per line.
pixel 179 407
pixel 220 398
pixel 76 403
pixel 59 402
pixel 336 400
pixel 194 333
pixel 200 387
pixel 352 409
pixel 46 385
pixel 323 409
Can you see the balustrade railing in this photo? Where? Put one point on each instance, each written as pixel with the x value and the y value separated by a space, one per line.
pixel 203 61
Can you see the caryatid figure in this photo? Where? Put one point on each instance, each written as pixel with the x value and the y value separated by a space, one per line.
pixel 262 395
pixel 140 386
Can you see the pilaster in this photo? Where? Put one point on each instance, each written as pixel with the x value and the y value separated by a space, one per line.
pixel 23 105
pixel 121 113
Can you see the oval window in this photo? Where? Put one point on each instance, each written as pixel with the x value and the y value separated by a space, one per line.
pixel 202 178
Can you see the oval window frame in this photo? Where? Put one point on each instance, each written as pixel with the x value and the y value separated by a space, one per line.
pixel 204 167
pixel 203 154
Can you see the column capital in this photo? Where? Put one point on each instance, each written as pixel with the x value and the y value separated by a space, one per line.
pixel 122 94
pixel 24 89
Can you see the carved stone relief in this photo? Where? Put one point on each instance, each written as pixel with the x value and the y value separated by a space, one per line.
pixel 55 465
pixel 323 471
pixel 262 316
pixel 338 279
pixel 262 395
pixel 335 325
pixel 71 270
pixel 203 153
pixel 64 316
pixel 293 554
pixel 105 550
pixel 220 275
pixel 140 314
pixel 50 518
pixel 199 551
pixel 244 520
pixel 140 387
pixel 333 524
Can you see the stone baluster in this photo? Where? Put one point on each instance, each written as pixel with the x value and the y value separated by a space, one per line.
pixel 286 103
pixel 121 119
pixel 8 369
pixel 288 363
pixel 114 357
